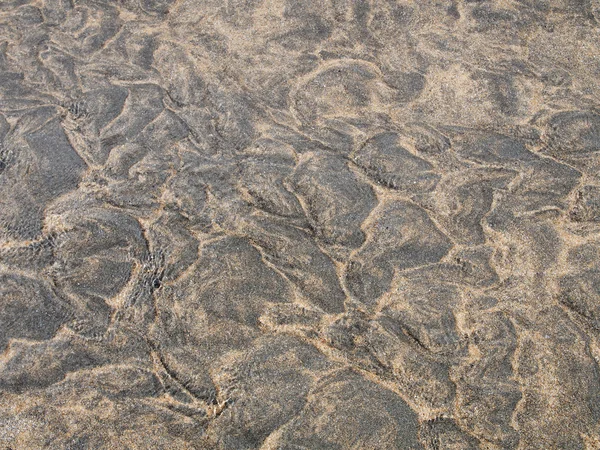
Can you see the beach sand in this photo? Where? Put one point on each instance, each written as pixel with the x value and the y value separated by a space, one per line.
pixel 284 224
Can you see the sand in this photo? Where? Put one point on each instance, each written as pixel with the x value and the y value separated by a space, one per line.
pixel 284 224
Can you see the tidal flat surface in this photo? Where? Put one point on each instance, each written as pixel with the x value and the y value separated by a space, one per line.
pixel 284 224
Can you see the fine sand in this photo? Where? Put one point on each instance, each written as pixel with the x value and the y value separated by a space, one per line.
pixel 300 224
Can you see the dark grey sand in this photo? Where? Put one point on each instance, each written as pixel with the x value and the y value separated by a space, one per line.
pixel 300 224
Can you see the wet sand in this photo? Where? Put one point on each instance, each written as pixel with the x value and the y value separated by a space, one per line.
pixel 279 224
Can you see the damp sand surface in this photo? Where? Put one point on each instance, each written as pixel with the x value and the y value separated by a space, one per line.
pixel 279 224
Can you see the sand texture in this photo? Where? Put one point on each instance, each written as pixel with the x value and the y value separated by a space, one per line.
pixel 300 224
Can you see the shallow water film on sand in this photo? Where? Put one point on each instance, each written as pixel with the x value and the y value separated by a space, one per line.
pixel 283 224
